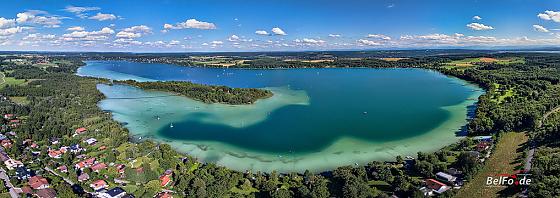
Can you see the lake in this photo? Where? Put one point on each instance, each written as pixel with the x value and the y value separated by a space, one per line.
pixel 318 118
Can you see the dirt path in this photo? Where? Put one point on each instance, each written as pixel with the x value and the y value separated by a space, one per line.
pixel 3 78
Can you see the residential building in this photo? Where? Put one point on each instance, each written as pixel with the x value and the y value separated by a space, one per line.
pixel 83 177
pixel 99 184
pixel 46 193
pixel 116 192
pixel 446 177
pixel 38 182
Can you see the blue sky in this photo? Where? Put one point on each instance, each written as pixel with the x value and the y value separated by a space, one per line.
pixel 210 25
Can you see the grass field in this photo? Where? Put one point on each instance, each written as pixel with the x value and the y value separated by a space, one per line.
pixel 9 81
pixel 393 59
pixel 471 62
pixel 503 160
pixel 502 93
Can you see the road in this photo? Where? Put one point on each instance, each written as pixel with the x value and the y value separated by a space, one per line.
pixel 532 145
pixel 6 179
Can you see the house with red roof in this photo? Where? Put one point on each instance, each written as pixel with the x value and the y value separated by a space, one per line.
pixel 14 123
pixel 9 116
pixel 38 182
pixel 85 163
pixel 165 180
pixel 79 131
pixel 57 153
pixel 97 167
pixel 482 146
pixel 434 186
pixel 99 184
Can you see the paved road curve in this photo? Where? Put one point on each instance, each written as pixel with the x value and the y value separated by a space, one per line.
pixel 6 179
pixel 532 145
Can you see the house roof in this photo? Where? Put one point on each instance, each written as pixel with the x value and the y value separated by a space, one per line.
pixel 26 190
pixel 81 130
pixel 445 176
pixel 98 166
pixel 63 167
pixel 83 176
pixel 46 193
pixel 434 184
pixel 164 195
pixel 98 183
pixel 115 191
pixel 165 179
pixel 37 181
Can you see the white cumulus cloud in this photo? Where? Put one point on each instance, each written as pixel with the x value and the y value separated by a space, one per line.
pixel 103 17
pixel 550 15
pixel 308 41
pixel 7 23
pixel 10 31
pixel 191 24
pixel 233 38
pixel 479 26
pixel 368 42
pixel 477 18
pixel 261 32
pixel 40 18
pixel 278 31
pixel 379 36
pixel 540 28
pixel 89 36
pixel 75 28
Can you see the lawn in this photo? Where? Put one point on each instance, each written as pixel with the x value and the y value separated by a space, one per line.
pixel 9 80
pixel 502 161
pixel 501 93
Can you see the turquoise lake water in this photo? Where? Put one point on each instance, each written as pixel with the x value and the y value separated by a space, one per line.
pixel 317 119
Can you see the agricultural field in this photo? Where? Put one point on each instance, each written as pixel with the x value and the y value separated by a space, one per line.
pixel 471 62
pixel 393 59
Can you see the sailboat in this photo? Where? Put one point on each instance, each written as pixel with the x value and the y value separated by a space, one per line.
pixel 171 125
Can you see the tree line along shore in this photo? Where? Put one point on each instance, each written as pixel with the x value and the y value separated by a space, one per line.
pixel 204 93
pixel 51 113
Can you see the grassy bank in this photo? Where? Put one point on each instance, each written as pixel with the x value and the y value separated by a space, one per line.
pixel 503 160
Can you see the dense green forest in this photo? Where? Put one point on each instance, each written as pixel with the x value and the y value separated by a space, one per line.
pixel 517 97
pixel 205 93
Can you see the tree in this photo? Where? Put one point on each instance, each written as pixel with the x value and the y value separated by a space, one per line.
pixel 425 168
pixel 467 162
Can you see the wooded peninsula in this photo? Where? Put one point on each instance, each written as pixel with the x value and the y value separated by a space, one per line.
pixel 205 93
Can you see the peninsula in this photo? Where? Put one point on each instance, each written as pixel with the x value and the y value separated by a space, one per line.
pixel 205 93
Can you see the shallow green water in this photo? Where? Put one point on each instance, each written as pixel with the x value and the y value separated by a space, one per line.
pixel 317 119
